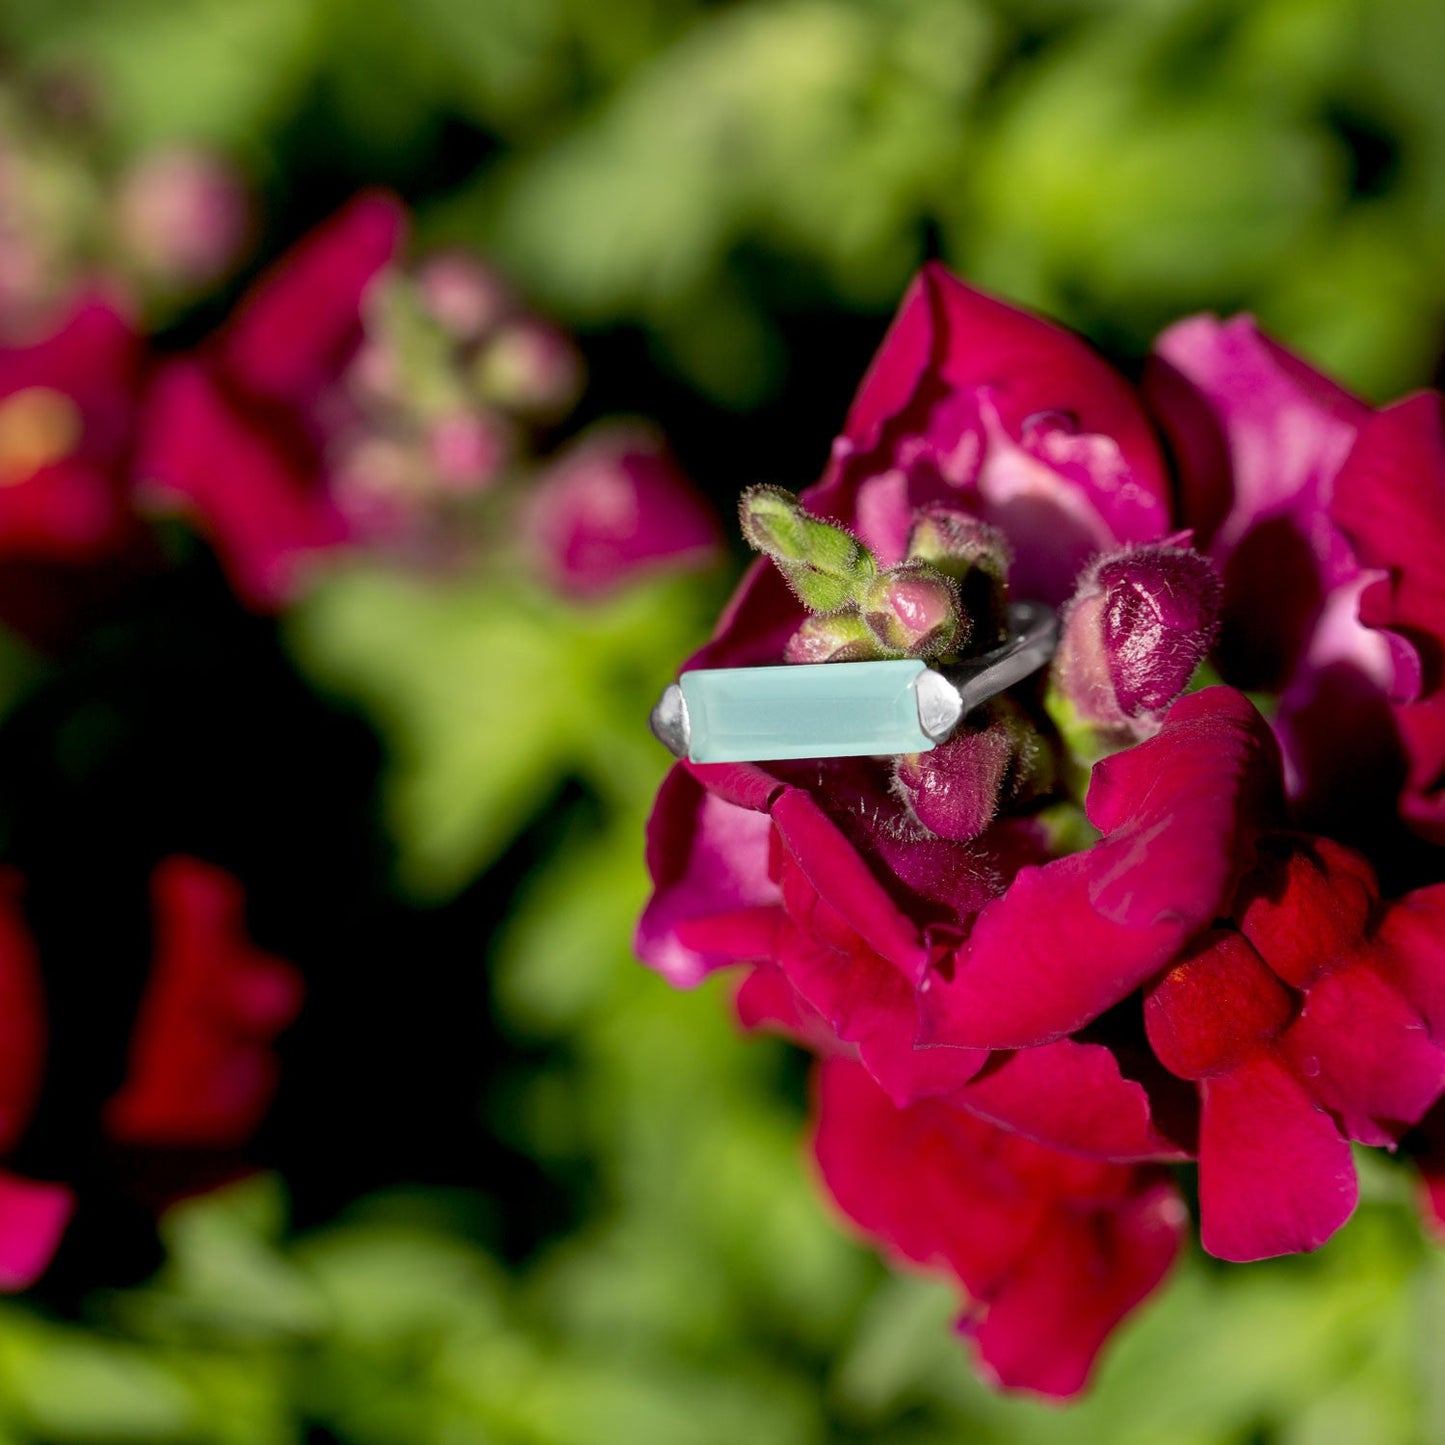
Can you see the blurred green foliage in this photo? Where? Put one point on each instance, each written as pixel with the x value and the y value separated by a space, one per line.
pixel 699 172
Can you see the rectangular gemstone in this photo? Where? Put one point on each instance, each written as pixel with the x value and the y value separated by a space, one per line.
pixel 811 710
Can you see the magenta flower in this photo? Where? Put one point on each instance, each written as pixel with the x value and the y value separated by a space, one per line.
pixel 1091 922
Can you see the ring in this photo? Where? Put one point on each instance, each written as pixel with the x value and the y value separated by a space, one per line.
pixel 843 709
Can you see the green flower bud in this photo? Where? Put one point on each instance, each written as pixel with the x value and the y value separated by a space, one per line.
pixel 841 637
pixel 827 567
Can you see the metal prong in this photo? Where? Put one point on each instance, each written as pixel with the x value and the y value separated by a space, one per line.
pixel 944 699
pixel 1034 634
pixel 939 705
pixel 669 721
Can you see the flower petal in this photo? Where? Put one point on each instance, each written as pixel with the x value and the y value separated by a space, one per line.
pixel 258 501
pixel 950 339
pixel 1053 1250
pixel 201 1070
pixel 297 328
pixel 1275 1177
pixel 1390 501
pixel 1072 1097
pixel 33 1216
pixel 707 857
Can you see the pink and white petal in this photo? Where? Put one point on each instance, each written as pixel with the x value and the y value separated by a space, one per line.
pixel 1288 428
pixel 964 341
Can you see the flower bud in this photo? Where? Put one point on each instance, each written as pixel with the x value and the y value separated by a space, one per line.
pixel 827 567
pixel 464 297
pixel 839 637
pixel 531 368
pixel 976 557
pixel 913 609
pixel 613 507
pixel 1140 623
pixel 468 450
pixel 184 216
pixel 956 790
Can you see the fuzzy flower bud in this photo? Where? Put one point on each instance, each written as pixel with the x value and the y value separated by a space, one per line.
pixel 957 789
pixel 837 637
pixel 1140 623
pixel 913 609
pixel 828 568
pixel 975 556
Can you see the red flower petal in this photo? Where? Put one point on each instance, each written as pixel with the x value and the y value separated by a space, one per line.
pixel 1275 1177
pixel 842 879
pixel 1072 1097
pixel 865 998
pixel 1364 1053
pixel 22 1017
pixel 259 502
pixel 1410 952
pixel 201 1070
pixel 1215 1008
pixel 296 330
pixel 1306 906
pixel 1053 1250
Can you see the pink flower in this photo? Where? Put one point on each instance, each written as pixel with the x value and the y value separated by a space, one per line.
pixel 612 506
pixel 1120 958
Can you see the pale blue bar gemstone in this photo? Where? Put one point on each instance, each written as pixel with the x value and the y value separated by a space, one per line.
pixel 811 710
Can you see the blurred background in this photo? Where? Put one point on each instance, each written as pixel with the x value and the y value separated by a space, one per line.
pixel 485 1179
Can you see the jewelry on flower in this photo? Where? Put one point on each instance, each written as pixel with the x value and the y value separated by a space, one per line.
pixel 843 709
